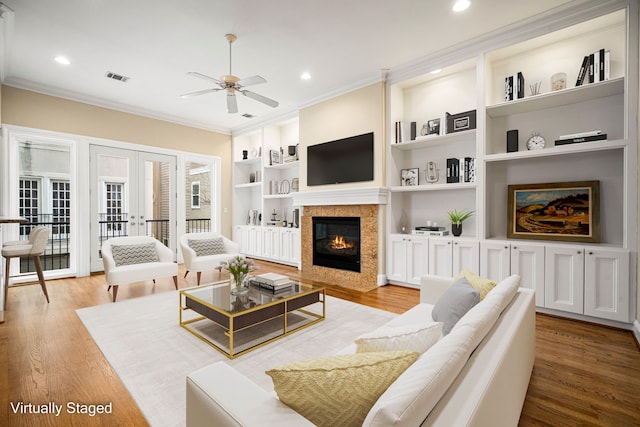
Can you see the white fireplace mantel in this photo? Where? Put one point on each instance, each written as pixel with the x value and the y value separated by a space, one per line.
pixel 353 196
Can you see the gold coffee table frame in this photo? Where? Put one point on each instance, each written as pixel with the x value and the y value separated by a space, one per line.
pixel 215 303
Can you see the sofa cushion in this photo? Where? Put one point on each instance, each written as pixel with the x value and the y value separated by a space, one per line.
pixel 481 284
pixel 338 390
pixel 204 247
pixel 139 253
pixel 454 303
pixel 418 338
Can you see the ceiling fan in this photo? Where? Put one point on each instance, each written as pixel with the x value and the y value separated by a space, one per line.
pixel 232 84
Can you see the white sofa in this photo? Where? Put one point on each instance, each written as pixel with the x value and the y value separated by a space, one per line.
pixel 477 375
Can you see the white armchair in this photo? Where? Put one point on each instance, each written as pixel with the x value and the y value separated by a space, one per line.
pixel 136 258
pixel 205 251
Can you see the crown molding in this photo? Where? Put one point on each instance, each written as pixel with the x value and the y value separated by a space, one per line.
pixel 6 36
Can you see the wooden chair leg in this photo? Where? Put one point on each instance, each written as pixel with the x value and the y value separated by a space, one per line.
pixel 198 274
pixel 115 292
pixel 6 282
pixel 175 282
pixel 185 274
pixel 43 285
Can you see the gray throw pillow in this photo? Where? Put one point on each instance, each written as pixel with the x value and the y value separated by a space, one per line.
pixel 134 254
pixel 454 303
pixel 203 247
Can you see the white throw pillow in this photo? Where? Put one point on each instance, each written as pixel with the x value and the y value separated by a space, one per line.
pixel 418 338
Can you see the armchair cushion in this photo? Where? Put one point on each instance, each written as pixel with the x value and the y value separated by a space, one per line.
pixel 203 247
pixel 139 253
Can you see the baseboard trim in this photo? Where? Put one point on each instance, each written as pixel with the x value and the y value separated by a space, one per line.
pixel 382 279
pixel 636 331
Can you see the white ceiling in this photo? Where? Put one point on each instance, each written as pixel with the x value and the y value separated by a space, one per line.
pixel 343 44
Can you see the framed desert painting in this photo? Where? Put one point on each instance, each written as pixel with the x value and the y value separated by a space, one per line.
pixel 568 211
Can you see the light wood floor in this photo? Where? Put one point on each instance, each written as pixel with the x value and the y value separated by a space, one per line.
pixel 584 375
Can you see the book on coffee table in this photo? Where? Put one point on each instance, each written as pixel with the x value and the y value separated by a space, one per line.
pixel 272 278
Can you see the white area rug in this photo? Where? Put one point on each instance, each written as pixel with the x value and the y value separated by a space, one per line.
pixel 144 343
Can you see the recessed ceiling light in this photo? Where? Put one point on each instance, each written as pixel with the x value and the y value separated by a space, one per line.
pixel 305 76
pixel 461 5
pixel 436 71
pixel 62 60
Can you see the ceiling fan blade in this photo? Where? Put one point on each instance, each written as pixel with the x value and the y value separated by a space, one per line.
pixel 253 80
pixel 268 101
pixel 232 103
pixel 205 77
pixel 198 93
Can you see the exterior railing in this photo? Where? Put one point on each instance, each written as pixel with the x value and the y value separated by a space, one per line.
pixel 197 225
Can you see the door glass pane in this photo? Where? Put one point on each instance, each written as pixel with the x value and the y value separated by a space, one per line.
pixel 198 197
pixel 45 200
pixel 157 201
pixel 113 179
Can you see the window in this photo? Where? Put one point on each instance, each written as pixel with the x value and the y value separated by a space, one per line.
pixel 195 195
pixel 61 207
pixel 29 202
pixel 114 217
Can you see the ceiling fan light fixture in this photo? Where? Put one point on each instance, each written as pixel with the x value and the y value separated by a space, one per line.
pixel 305 76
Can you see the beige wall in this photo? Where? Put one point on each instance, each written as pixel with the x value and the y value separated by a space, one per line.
pixel 30 109
pixel 354 113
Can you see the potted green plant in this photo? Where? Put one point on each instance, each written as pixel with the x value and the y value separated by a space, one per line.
pixel 456 219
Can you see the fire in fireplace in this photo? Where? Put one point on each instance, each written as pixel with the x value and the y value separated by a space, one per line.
pixel 336 242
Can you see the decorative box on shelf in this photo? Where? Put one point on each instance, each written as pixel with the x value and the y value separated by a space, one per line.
pixel 461 121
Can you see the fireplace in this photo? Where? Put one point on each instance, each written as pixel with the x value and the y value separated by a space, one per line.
pixel 336 242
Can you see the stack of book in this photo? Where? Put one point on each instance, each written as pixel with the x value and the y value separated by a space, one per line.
pixel 514 87
pixel 430 231
pixel 272 282
pixel 574 138
pixel 596 67
pixel 461 170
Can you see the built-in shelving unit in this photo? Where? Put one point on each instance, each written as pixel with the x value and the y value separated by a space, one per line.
pixel 479 83
pixel 262 188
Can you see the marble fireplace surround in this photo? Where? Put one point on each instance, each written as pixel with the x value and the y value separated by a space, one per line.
pixel 363 203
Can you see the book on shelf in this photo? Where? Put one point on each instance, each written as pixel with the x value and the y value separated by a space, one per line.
pixel 597 67
pixel 580 134
pixel 583 71
pixel 588 138
pixel 461 170
pixel 399 132
pixel 514 87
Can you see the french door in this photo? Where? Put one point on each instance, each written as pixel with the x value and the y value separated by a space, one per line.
pixel 133 193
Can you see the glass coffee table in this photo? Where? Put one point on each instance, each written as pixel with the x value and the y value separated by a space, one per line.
pixel 235 325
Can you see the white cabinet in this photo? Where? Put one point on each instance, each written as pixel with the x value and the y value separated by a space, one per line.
pixel 289 245
pixel 606 287
pixel 527 261
pixel 592 281
pixel 449 256
pixel 495 260
pixel 500 259
pixel 271 242
pixel 407 258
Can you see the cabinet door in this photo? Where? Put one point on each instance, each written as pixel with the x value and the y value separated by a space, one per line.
pixel 397 257
pixel 269 244
pixel 440 257
pixel 296 252
pixel 242 238
pixel 564 278
pixel 285 245
pixel 527 261
pixel 255 241
pixel 466 255
pixel 606 287
pixel 495 260
pixel 417 256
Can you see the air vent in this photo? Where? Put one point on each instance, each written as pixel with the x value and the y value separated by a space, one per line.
pixel 117 77
pixel 248 116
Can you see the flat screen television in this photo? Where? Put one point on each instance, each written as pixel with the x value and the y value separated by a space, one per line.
pixel 341 161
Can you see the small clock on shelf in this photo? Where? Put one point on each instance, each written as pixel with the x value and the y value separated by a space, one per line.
pixel 535 142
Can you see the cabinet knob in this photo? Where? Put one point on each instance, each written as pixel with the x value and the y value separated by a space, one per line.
pixel 506 247
pixel 448 243
pixel 515 248
pixel 579 252
pixel 455 243
pixel 590 253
